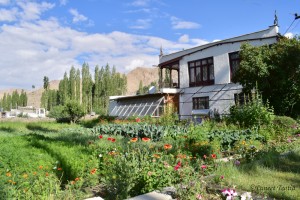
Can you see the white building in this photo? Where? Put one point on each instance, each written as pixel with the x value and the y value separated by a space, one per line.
pixel 204 76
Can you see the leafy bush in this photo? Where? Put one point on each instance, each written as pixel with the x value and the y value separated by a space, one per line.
pixel 58 113
pixel 71 112
pixel 228 138
pixel 74 110
pixel 252 114
pixel 285 122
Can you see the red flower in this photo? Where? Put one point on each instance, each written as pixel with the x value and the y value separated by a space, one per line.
pixel 100 136
pixel 167 146
pixel 214 156
pixel 77 179
pixel 59 169
pixel 138 120
pixel 109 138
pixel 113 139
pixel 177 166
pixel 145 139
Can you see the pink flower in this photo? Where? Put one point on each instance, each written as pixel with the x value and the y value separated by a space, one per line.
pixel 199 196
pixel 222 177
pixel 237 163
pixel 203 166
pixel 204 156
pixel 229 193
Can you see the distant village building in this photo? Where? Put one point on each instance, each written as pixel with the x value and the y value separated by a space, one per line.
pixel 204 79
pixel 28 111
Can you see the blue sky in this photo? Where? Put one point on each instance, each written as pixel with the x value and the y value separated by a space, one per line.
pixel 46 38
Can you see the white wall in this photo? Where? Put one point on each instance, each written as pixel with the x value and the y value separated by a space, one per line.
pixel 221 60
pixel 221 95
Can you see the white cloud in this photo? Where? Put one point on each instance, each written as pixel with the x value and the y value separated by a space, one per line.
pixel 139 3
pixel 134 64
pixel 289 35
pixel 32 10
pixel 142 24
pixel 184 38
pixel 77 17
pixel 4 2
pixel 63 2
pixel 8 15
pixel 180 24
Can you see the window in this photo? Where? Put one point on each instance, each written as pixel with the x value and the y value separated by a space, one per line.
pixel 241 99
pixel 201 72
pixel 200 103
pixel 234 61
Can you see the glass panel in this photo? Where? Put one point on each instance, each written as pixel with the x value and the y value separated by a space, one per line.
pixel 211 72
pixel 235 65
pixel 143 113
pixel 210 60
pixel 198 74
pixel 198 63
pixel 192 64
pixel 204 62
pixel 234 55
pixel 192 75
pixel 204 73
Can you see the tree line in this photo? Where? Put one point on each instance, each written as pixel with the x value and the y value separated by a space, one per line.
pixel 91 92
pixel 12 101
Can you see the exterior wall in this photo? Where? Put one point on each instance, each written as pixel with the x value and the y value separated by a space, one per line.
pixel 221 98
pixel 221 60
pixel 221 95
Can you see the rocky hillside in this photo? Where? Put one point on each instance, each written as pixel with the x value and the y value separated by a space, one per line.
pixel 146 75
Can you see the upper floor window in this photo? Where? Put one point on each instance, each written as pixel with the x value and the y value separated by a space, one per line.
pixel 234 61
pixel 201 72
pixel 200 103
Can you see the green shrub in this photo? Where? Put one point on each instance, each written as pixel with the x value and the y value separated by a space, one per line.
pixel 285 122
pixel 252 114
pixel 71 112
pixel 59 113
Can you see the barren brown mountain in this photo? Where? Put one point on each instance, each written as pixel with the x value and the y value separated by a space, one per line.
pixel 146 75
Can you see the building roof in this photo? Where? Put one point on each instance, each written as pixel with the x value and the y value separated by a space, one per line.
pixel 271 32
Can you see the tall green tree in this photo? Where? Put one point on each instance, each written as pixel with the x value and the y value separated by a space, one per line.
pixel 87 86
pixel 275 70
pixel 72 81
pixel 78 84
pixel 46 83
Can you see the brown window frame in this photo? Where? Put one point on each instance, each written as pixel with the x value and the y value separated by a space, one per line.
pixel 198 102
pixel 231 61
pixel 197 67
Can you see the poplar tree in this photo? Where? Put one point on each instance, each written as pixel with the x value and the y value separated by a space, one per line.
pixel 72 82
pixel 78 83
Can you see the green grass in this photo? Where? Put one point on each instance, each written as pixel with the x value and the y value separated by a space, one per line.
pixel 272 175
pixel 31 153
